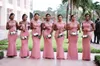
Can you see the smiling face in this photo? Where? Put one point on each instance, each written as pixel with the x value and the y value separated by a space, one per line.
pixel 73 17
pixel 36 17
pixel 60 18
pixel 48 17
pixel 87 17
pixel 25 18
pixel 12 17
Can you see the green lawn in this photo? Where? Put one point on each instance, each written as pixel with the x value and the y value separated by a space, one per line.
pixel 65 45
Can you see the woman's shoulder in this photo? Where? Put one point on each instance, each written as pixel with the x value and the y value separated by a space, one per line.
pixel 83 21
pixel 91 22
pixel 8 21
pixel 20 22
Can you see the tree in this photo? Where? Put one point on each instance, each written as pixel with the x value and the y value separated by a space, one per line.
pixel 62 10
pixel 75 4
pixel 96 8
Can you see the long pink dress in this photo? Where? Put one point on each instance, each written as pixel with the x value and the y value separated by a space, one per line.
pixel 59 40
pixel 12 51
pixel 72 48
pixel 86 41
pixel 48 52
pixel 24 51
pixel 36 39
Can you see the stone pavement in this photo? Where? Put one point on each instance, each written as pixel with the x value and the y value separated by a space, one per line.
pixel 96 46
pixel 45 62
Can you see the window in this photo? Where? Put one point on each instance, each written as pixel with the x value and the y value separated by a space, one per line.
pixel 31 4
pixel 18 16
pixel 9 11
pixel 10 1
pixel 25 3
pixel 18 2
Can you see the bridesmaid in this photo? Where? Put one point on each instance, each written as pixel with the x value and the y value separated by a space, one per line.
pixel 87 28
pixel 72 27
pixel 36 35
pixel 47 34
pixel 12 26
pixel 59 36
pixel 24 35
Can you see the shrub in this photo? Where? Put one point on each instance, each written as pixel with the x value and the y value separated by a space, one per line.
pixel 3 42
pixel 1 54
pixel 97 60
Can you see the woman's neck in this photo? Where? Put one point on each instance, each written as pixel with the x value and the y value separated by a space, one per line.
pixel 35 19
pixel 47 20
pixel 59 21
pixel 87 20
pixel 11 19
pixel 73 21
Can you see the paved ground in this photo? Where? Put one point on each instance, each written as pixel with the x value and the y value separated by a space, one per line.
pixel 96 46
pixel 44 62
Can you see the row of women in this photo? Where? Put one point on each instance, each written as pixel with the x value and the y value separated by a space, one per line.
pixel 46 29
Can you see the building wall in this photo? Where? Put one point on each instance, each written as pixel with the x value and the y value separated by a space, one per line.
pixel 18 7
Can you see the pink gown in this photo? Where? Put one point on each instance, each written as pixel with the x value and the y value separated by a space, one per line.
pixel 12 51
pixel 35 54
pixel 86 41
pixel 24 51
pixel 72 48
pixel 48 52
pixel 59 41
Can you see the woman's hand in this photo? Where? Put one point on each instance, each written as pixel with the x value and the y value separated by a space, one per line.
pixel 86 30
pixel 55 27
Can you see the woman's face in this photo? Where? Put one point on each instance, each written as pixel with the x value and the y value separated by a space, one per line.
pixel 87 17
pixel 60 18
pixel 48 17
pixel 36 17
pixel 25 18
pixel 73 18
pixel 12 17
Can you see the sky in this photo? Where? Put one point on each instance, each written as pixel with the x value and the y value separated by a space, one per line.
pixel 96 0
pixel 44 4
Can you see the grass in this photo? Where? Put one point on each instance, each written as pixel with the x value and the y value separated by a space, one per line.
pixel 65 45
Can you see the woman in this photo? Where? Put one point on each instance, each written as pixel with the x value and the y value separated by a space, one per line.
pixel 36 35
pixel 59 36
pixel 24 35
pixel 87 28
pixel 12 26
pixel 47 34
pixel 72 27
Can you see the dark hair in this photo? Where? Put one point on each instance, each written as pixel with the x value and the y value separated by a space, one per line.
pixel 23 15
pixel 59 15
pixel 47 14
pixel 72 16
pixel 36 14
pixel 11 15
pixel 87 14
pixel 98 19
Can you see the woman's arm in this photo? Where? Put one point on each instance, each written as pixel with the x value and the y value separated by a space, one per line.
pixel 78 26
pixel 54 27
pixel 7 26
pixel 20 26
pixel 17 26
pixel 68 27
pixel 93 27
pixel 31 25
